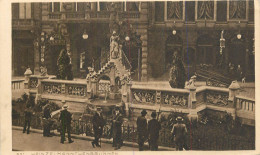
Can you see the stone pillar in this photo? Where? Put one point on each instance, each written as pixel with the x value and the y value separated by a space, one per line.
pixel 144 37
pixel 39 87
pixel 27 75
pixel 93 87
pixel 36 56
pixel 192 96
pixel 233 91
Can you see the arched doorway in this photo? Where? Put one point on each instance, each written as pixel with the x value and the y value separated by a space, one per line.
pixel 237 53
pixel 173 43
pixel 52 56
pixel 205 52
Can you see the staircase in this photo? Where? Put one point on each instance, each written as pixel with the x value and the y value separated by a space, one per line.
pixel 122 65
pixel 213 78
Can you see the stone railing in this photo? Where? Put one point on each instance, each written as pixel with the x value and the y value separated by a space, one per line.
pixel 165 97
pixel 55 15
pixel 63 87
pixel 23 22
pixel 17 84
pixel 244 104
pixel 129 14
pixel 213 96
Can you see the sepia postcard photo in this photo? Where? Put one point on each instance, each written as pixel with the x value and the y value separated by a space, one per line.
pixel 130 76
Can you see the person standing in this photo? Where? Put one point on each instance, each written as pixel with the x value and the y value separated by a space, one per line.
pixel 179 132
pixel 65 119
pixel 98 124
pixel 153 132
pixel 117 130
pixel 47 122
pixel 142 129
pixel 27 118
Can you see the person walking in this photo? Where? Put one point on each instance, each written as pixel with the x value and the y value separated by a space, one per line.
pixel 117 130
pixel 98 124
pixel 27 118
pixel 47 122
pixel 153 132
pixel 142 129
pixel 179 132
pixel 65 119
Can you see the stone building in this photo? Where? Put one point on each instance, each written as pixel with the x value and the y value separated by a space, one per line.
pixel 193 28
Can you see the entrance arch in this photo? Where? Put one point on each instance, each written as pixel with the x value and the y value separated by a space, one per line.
pixel 173 43
pixel 205 50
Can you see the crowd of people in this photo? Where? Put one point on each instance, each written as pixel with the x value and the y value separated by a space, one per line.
pixel 147 131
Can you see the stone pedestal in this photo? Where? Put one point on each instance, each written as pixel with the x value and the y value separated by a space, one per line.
pixel 233 90
pixel 192 96
pixel 193 115
pixel 27 75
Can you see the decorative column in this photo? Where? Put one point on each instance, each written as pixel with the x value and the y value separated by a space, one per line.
pixel 144 37
pixel 27 75
pixel 193 115
pixel 36 56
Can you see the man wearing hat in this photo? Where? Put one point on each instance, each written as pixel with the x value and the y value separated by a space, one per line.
pixel 98 124
pixel 142 129
pixel 117 130
pixel 153 132
pixel 65 119
pixel 179 132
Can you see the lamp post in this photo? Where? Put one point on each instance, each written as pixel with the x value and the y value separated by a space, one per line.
pixel 174 31
pixel 222 42
pixel 239 34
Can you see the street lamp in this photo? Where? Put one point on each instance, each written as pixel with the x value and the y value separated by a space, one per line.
pixel 51 38
pixel 239 34
pixel 85 35
pixel 127 38
pixel 174 31
pixel 222 42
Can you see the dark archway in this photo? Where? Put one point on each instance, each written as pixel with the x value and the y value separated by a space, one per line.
pixel 237 52
pixel 173 43
pixel 205 50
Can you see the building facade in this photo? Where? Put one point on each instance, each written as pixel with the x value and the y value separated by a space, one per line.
pixel 192 28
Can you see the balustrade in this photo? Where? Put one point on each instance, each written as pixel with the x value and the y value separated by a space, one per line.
pixel 17 84
pixel 172 97
pixel 64 87
pixel 33 82
pixel 245 104
pixel 217 98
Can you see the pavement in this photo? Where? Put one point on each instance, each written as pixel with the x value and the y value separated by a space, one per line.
pixel 36 142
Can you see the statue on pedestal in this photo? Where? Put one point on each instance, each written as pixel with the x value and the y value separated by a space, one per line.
pixel 114 46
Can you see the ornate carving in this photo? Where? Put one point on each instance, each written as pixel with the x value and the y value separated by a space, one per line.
pixel 217 98
pixel 174 10
pixel 33 83
pixel 52 88
pixel 171 99
pixel 144 97
pixel 76 90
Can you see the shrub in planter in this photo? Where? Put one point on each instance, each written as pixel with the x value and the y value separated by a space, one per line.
pixel 64 66
pixel 177 72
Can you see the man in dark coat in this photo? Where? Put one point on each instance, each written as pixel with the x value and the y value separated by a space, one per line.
pixel 47 122
pixel 117 130
pixel 65 119
pixel 153 132
pixel 98 124
pixel 179 132
pixel 142 129
pixel 27 120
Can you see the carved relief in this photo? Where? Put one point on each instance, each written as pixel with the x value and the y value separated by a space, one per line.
pixel 217 99
pixel 144 97
pixel 170 99
pixel 76 90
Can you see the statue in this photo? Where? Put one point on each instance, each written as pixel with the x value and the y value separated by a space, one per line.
pixel 114 46
pixel 43 71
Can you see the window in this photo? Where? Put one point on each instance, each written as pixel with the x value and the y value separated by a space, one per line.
pixel 222 11
pixel 190 11
pixel 25 10
pixel 56 7
pixel 251 12
pixel 15 10
pixel 159 11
